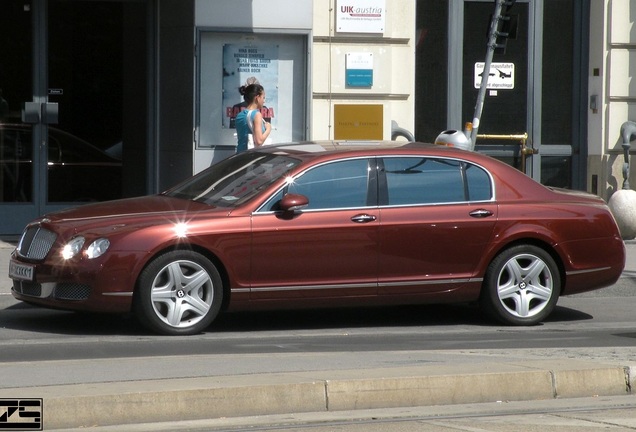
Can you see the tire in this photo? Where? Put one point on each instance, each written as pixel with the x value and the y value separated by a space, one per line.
pixel 179 293
pixel 522 286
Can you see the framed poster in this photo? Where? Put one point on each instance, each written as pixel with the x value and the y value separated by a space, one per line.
pixel 244 65
pixel 228 60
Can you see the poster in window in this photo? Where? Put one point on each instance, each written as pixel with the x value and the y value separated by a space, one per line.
pixel 247 64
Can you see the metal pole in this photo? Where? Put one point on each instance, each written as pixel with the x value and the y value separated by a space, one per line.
pixel 492 44
pixel 628 129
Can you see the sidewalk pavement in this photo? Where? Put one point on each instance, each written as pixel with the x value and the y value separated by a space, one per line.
pixel 424 378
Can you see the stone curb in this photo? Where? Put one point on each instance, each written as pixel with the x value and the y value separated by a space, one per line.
pixel 90 405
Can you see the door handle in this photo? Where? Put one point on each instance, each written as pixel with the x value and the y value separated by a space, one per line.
pixel 480 213
pixel 363 218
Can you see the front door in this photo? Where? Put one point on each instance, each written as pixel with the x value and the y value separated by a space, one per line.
pixel 74 88
pixel 297 257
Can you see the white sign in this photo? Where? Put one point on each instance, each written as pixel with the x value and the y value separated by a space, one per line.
pixel 361 16
pixel 359 60
pixel 501 76
pixel 359 69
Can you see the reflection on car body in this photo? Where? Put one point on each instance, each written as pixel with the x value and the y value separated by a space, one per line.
pixel 325 224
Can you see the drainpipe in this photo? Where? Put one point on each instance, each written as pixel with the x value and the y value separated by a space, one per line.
pixel 628 129
pixel 397 131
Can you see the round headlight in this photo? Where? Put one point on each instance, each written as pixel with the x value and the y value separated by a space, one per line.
pixel 97 248
pixel 73 247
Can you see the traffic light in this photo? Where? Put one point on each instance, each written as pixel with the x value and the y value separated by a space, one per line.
pixel 507 26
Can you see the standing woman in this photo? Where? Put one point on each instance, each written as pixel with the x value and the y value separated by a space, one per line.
pixel 250 120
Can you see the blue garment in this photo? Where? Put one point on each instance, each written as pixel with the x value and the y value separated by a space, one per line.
pixel 243 128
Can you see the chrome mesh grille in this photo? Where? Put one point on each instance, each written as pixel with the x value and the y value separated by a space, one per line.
pixel 27 288
pixel 72 291
pixel 63 291
pixel 36 243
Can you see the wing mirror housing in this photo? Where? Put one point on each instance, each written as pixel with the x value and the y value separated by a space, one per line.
pixel 293 202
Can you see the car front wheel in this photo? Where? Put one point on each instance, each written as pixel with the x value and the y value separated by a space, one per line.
pixel 521 286
pixel 179 293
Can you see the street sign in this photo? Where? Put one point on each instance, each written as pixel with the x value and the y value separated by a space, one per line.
pixel 501 77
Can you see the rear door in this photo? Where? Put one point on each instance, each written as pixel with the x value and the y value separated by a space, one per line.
pixel 437 216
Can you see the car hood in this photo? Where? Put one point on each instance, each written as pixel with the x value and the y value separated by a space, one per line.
pixel 132 210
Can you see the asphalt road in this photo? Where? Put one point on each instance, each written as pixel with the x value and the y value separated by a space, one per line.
pixel 272 342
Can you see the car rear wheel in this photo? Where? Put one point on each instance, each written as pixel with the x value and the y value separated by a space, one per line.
pixel 521 286
pixel 179 293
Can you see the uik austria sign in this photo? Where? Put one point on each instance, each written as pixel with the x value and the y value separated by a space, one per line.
pixel 361 16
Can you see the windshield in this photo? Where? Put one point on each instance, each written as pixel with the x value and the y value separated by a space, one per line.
pixel 234 180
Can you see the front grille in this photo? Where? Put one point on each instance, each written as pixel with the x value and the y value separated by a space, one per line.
pixel 72 291
pixel 36 243
pixel 31 289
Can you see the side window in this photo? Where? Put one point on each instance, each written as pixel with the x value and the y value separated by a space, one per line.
pixel 416 180
pixel 341 184
pixel 479 187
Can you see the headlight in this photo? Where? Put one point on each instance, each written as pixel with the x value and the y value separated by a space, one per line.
pixel 97 248
pixel 73 247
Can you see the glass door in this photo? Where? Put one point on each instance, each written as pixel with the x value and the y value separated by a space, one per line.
pixel 18 155
pixel 505 119
pixel 97 77
pixel 74 108
pixel 538 89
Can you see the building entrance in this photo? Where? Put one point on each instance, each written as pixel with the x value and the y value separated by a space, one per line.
pixel 74 126
pixel 534 114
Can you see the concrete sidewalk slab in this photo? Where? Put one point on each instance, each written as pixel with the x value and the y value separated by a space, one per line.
pixel 89 405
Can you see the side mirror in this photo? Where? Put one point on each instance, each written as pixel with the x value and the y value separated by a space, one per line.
pixel 293 202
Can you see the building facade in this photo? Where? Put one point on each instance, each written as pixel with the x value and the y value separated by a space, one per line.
pixel 119 98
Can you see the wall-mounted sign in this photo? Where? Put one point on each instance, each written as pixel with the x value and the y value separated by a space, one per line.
pixel 501 76
pixel 359 69
pixel 358 122
pixel 361 16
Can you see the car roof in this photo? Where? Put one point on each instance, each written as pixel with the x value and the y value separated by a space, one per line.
pixel 323 151
pixel 318 146
pixel 340 146
pixel 330 149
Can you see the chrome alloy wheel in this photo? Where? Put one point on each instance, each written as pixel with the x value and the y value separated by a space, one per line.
pixel 182 293
pixel 521 285
pixel 525 285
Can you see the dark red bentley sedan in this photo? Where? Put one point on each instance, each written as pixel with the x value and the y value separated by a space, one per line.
pixel 325 224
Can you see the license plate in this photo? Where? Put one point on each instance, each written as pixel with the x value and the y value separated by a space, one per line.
pixel 21 271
